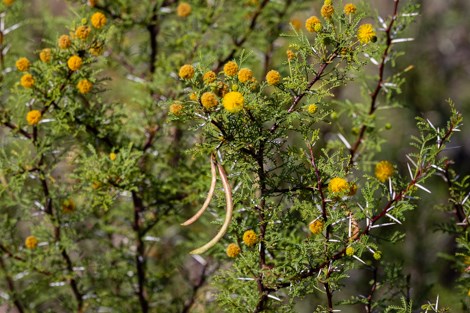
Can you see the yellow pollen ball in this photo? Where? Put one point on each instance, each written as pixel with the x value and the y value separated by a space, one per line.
pixel 22 64
pixel 184 9
pixel 209 77
pixel 193 96
pixel 231 68
pixel 82 32
pixel 233 250
pixel 175 108
pixel 313 24
pixel 84 86
pixel 209 100
pixel 233 101
pixel 27 81
pixel 186 71
pixel 316 227
pixel 383 170
pixel 31 242
pixel 74 62
pixel 312 108
pixel 366 33
pixel 327 11
pixel 68 206
pixel 98 20
pixel 273 77
pixel 350 9
pixel 45 55
pixel 338 185
pixel 245 75
pixel 112 156
pixel 350 251
pixel 250 238
pixel 33 117
pixel 64 42
pixel 377 255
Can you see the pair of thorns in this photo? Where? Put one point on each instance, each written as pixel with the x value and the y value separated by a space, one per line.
pixel 228 199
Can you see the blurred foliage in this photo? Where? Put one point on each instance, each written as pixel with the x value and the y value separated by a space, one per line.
pixel 107 175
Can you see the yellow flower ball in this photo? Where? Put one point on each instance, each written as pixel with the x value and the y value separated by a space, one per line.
pixel 312 108
pixel 350 9
pixel 27 81
pixel 31 242
pixel 366 33
pixel 231 68
pixel 8 2
pixel 82 32
pixel 273 77
pixel 209 77
pixel 313 24
pixel 74 62
pixel 245 75
pixel 296 23
pixel 383 170
pixel 112 156
pixel 64 42
pixel 68 206
pixel 327 11
pixel 377 255
pixel 98 20
pixel 233 250
pixel 84 86
pixel 209 100
pixel 22 64
pixel 33 117
pixel 176 108
pixel 250 238
pixel 186 71
pixel 233 101
pixel 45 55
pixel 184 9
pixel 338 185
pixel 350 251
pixel 193 96
pixel 316 227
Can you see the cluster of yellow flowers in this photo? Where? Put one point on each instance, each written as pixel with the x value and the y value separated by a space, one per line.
pixel 74 62
pixel 365 32
pixel 249 238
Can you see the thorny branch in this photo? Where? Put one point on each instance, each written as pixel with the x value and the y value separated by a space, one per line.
pixel 373 103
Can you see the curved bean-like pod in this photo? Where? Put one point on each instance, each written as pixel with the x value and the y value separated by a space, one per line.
pixel 228 216
pixel 209 194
